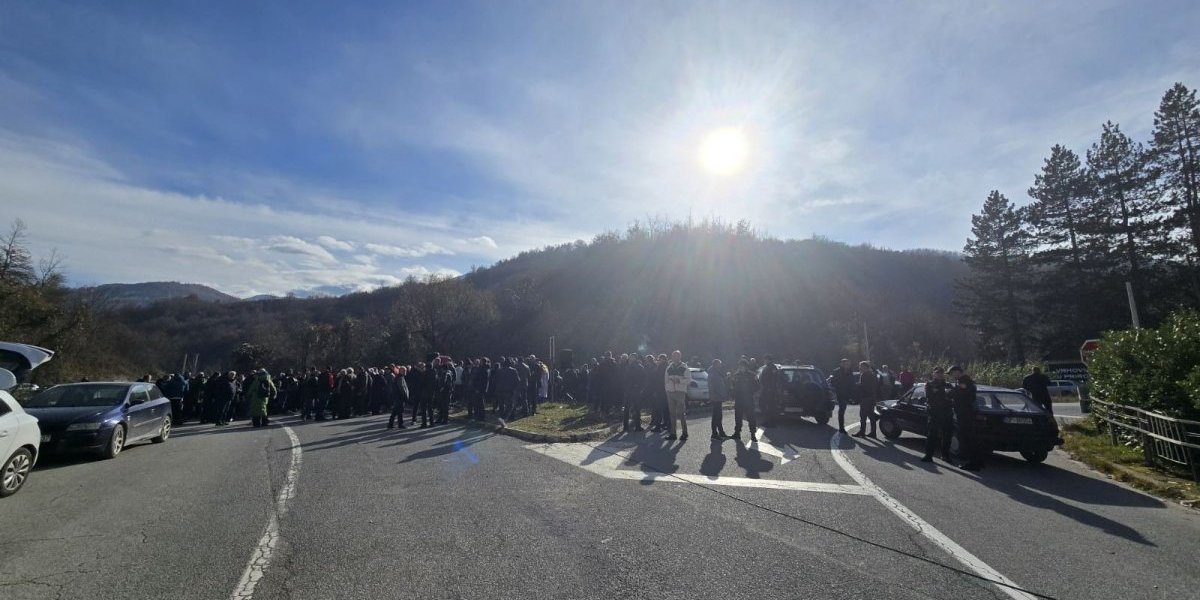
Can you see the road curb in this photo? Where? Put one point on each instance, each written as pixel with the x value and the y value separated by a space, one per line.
pixel 541 438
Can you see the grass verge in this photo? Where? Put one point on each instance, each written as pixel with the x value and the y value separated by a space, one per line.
pixel 1087 444
pixel 558 419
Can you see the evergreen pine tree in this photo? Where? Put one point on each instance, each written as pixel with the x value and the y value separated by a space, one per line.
pixel 1176 151
pixel 995 293
pixel 1126 214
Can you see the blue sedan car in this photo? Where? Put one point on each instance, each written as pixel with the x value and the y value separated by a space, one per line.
pixel 100 417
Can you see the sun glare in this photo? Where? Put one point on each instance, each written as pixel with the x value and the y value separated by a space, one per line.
pixel 724 151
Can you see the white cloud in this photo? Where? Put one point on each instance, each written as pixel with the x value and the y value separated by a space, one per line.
pixel 331 243
pixel 416 251
pixel 82 206
pixel 294 245
pixel 482 240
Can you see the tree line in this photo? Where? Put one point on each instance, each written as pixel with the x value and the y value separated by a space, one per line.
pixel 1045 276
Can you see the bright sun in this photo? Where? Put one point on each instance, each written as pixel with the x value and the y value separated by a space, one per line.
pixel 724 150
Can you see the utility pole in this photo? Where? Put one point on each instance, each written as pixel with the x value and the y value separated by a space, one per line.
pixel 866 343
pixel 1133 312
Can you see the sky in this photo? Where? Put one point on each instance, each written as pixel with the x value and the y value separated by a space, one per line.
pixel 320 147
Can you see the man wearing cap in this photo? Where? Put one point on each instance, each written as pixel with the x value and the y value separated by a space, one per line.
pixel 941 417
pixel 963 398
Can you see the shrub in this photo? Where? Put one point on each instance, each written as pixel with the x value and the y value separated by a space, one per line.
pixel 1154 369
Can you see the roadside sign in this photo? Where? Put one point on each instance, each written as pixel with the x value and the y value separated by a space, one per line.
pixel 1086 350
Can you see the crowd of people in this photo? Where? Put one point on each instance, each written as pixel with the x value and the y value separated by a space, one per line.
pixel 631 385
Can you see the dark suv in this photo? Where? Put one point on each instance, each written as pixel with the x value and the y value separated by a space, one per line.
pixel 805 394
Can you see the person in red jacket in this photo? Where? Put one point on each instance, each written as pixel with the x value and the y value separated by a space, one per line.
pixel 907 380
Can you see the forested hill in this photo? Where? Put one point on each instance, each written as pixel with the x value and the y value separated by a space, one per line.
pixel 716 291
pixel 142 294
pixel 708 290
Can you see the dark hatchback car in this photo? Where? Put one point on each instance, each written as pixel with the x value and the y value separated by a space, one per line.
pixel 806 394
pixel 1011 421
pixel 100 417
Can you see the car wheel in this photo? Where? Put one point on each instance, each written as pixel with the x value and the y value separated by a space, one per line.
pixel 164 432
pixel 116 443
pixel 890 428
pixel 1035 456
pixel 15 471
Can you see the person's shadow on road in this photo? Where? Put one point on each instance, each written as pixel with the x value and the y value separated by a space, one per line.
pixel 714 461
pixel 751 461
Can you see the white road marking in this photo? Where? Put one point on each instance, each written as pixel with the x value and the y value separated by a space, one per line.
pixel 260 559
pixel 932 534
pixel 785 455
pixel 607 463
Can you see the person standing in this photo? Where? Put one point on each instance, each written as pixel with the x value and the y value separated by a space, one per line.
pixel 941 417
pixel 716 397
pixel 543 391
pixel 635 378
pixel 744 385
pixel 965 410
pixel 842 382
pixel 481 374
pixel 221 395
pixel 1038 386
pixel 260 391
pixel 868 393
pixel 445 388
pixel 770 383
pixel 887 383
pixel 399 397
pixel 676 379
pixel 429 384
pixel 907 380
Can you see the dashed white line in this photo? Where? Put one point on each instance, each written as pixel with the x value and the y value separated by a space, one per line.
pixel 260 559
pixel 929 531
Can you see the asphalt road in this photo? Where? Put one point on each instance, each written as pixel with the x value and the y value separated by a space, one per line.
pixel 457 512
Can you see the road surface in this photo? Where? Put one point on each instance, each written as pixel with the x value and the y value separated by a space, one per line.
pixel 358 511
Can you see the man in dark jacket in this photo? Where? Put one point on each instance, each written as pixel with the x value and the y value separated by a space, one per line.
pixel 965 410
pixel 505 383
pixel 223 391
pixel 481 376
pixel 609 386
pixel 399 395
pixel 867 392
pixel 842 382
pixel 941 417
pixel 635 378
pixel 743 385
pixel 1038 386
pixel 716 397
pixel 445 388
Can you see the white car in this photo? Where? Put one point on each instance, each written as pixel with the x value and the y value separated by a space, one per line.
pixel 698 389
pixel 20 436
pixel 1063 387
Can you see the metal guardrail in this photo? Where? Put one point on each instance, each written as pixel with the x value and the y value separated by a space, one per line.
pixel 1165 440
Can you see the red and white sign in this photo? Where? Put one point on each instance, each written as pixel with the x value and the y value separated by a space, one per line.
pixel 1086 350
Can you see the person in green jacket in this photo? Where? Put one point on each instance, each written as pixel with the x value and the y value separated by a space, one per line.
pixel 260 391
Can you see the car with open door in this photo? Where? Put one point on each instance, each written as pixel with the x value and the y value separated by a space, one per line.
pixel 101 417
pixel 20 434
pixel 1010 421
pixel 806 393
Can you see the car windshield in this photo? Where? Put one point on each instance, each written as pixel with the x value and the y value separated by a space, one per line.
pixel 1008 400
pixel 801 376
pixel 67 396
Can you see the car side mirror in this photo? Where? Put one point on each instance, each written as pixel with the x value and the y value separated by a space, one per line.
pixel 8 380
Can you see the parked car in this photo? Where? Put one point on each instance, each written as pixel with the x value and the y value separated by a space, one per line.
pixel 101 417
pixel 806 394
pixel 20 435
pixel 698 389
pixel 1012 421
pixel 1063 387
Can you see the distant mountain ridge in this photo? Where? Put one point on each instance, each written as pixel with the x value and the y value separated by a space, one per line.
pixel 147 293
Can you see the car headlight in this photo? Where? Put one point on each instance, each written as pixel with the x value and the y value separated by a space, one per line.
pixel 83 427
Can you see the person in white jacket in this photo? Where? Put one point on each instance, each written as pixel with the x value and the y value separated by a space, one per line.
pixel 678 377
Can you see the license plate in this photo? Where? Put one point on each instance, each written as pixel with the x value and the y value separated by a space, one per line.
pixel 1019 420
pixel 45 438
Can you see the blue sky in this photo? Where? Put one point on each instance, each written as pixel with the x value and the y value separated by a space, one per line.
pixel 317 146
